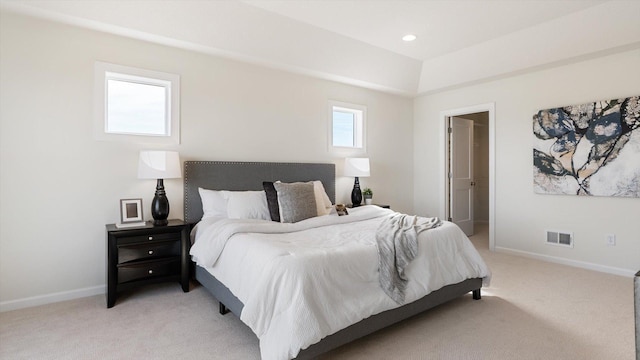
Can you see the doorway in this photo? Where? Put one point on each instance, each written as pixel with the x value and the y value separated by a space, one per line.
pixel 468 168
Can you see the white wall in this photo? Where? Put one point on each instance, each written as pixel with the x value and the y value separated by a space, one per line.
pixel 521 217
pixel 59 186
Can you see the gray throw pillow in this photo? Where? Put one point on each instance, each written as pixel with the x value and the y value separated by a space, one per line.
pixel 297 201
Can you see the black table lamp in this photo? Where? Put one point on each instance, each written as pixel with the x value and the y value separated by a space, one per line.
pixel 159 165
pixel 357 167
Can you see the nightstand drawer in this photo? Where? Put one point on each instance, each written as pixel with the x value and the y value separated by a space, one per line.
pixel 149 238
pixel 148 251
pixel 148 270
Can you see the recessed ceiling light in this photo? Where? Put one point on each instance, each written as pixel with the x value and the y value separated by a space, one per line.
pixel 409 37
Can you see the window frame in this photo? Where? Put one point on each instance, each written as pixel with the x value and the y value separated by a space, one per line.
pixel 359 130
pixel 103 72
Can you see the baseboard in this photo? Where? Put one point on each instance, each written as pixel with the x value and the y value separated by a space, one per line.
pixel 51 298
pixel 569 262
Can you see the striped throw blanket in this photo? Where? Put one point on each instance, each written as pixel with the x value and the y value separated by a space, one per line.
pixel 397 239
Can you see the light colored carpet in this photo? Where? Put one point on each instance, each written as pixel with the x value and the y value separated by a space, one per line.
pixel 533 310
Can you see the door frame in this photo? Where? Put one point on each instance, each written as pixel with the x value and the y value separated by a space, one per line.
pixel 444 161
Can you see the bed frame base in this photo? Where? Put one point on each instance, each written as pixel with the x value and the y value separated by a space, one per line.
pixel 223 309
pixel 230 303
pixel 476 294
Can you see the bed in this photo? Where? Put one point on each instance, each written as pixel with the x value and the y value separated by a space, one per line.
pixel 242 176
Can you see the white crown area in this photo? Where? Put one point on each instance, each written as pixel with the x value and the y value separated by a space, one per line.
pixel 458 43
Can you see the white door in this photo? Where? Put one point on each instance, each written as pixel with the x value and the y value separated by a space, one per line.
pixel 461 174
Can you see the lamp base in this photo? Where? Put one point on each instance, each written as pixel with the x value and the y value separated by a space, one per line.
pixel 160 222
pixel 160 205
pixel 356 194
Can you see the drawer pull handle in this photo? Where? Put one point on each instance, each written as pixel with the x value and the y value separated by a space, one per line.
pixel 150 237
pixel 150 271
pixel 150 252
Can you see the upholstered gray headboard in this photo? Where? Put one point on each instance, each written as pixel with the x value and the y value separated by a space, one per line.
pixel 226 175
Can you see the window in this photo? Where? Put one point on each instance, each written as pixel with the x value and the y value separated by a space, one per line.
pixel 347 128
pixel 136 105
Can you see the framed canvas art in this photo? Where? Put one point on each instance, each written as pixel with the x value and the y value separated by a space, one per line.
pixel 591 149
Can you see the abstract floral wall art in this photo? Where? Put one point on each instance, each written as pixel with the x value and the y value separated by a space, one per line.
pixel 590 149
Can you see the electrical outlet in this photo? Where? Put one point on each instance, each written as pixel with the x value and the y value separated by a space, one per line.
pixel 611 239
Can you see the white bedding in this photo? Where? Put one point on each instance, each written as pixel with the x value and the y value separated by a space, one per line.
pixel 301 282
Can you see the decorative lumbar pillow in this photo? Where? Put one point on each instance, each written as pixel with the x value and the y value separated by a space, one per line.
pixel 323 203
pixel 213 204
pixel 272 200
pixel 246 205
pixel 296 201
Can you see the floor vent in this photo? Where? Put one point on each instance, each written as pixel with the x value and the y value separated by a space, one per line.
pixel 560 238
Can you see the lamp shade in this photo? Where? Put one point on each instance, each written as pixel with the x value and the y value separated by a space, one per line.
pixel 358 167
pixel 159 165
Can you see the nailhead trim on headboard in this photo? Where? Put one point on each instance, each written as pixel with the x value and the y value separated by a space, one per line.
pixel 237 175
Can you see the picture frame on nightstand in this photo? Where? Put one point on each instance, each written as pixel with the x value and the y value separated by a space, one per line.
pixel 130 213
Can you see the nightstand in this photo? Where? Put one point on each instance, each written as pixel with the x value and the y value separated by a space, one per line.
pixel 146 254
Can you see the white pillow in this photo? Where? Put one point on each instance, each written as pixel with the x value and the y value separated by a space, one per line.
pixel 323 203
pixel 213 204
pixel 246 204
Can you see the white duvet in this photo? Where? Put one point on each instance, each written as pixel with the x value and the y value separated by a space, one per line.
pixel 301 282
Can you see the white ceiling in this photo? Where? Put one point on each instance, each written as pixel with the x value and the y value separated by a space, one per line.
pixel 441 26
pixel 359 42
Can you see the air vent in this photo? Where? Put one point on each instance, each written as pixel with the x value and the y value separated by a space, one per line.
pixel 560 238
